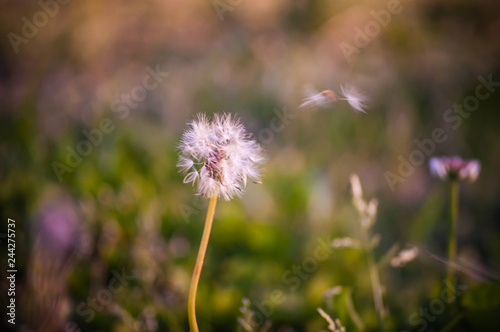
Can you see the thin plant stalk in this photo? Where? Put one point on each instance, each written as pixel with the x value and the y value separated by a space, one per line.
pixel 376 289
pixel 452 240
pixel 374 279
pixel 193 287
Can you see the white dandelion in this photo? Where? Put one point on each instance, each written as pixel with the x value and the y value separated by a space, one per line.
pixel 218 156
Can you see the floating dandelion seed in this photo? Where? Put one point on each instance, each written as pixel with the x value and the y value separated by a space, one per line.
pixel 327 98
pixel 323 99
pixel 219 156
pixel 353 97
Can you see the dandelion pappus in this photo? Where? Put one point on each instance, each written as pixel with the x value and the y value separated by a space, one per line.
pixel 218 155
pixel 213 171
pixel 327 98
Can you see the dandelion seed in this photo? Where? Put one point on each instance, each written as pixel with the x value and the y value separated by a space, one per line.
pixel 327 98
pixel 218 156
pixel 353 97
pixel 191 177
pixel 323 99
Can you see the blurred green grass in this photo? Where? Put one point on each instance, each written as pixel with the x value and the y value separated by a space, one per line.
pixel 129 195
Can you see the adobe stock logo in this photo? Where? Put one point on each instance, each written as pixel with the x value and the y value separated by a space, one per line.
pixel 371 30
pixel 293 277
pixel 104 296
pixel 29 30
pixel 222 6
pixel 435 308
pixel 121 106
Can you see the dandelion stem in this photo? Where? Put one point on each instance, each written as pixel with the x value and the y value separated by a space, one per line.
pixel 199 264
pixel 452 241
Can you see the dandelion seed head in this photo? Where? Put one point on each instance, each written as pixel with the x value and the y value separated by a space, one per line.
pixel 219 156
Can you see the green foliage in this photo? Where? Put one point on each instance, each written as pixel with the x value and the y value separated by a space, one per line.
pixel 135 213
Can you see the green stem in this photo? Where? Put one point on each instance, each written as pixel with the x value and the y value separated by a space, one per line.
pixel 376 289
pixel 374 279
pixel 452 240
pixel 193 325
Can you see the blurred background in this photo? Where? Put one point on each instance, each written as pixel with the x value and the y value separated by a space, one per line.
pixel 95 95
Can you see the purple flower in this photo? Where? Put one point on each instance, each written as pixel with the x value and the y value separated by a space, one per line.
pixel 58 227
pixel 455 168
